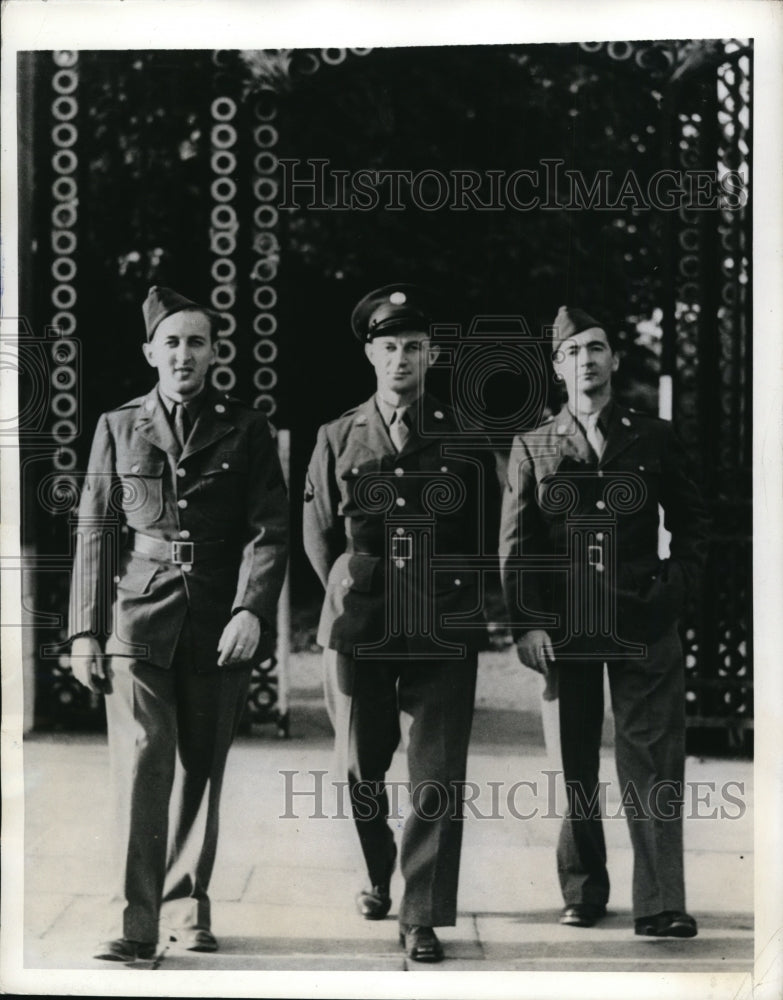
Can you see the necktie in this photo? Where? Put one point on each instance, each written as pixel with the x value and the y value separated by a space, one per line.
pixel 594 434
pixel 399 431
pixel 181 423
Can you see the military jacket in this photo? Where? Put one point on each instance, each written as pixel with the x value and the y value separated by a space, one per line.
pixel 579 536
pixel 403 543
pixel 223 500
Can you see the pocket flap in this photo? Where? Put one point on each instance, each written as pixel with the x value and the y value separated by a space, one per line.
pixel 137 576
pixel 140 465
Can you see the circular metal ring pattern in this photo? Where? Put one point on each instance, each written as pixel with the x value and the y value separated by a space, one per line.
pixel 229 325
pixel 223 189
pixel 64 215
pixel 223 270
pixel 619 50
pixel 264 269
pixel 224 217
pixel 63 431
pixel 223 244
pixel 264 378
pixel 64 460
pixel 223 162
pixel 64 189
pixel 223 136
pixel 265 216
pixel 63 378
pixel 265 351
pixel 64 108
pixel 65 58
pixel 333 57
pixel 64 161
pixel 265 136
pixel 265 297
pixel 265 324
pixel 265 163
pixel 65 81
pixel 223 109
pixel 361 52
pixel 63 352
pixel 64 135
pixel 63 405
pixel 65 322
pixel 223 378
pixel 63 268
pixel 64 296
pixel 265 188
pixel 223 297
pixel 265 403
pixel 265 109
pixel 265 244
pixel 226 351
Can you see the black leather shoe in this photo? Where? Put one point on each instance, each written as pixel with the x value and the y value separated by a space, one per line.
pixel 670 923
pixel 582 914
pixel 195 939
pixel 124 950
pixel 375 903
pixel 420 943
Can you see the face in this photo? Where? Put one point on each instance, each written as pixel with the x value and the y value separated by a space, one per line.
pixel 182 350
pixel 585 362
pixel 401 362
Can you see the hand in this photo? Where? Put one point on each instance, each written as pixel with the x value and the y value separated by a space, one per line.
pixel 239 640
pixel 535 650
pixel 88 664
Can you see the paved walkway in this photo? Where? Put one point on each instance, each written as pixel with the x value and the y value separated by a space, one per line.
pixel 288 866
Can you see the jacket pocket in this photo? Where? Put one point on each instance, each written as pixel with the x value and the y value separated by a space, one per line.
pixel 358 573
pixel 141 485
pixel 137 576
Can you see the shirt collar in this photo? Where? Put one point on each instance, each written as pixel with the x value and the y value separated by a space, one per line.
pixel 192 405
pixel 387 410
pixel 604 416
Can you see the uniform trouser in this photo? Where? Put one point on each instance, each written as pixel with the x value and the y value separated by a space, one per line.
pixel 648 701
pixel 365 700
pixel 169 736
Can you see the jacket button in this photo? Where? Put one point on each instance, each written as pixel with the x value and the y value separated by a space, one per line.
pixel 184 533
pixel 400 501
pixel 116 579
pixel 399 531
pixel 180 473
pixel 438 414
pixel 135 467
pixel 444 468
pixel 458 583
pixel 354 471
pixel 599 568
pixel 398 472
pixel 600 473
pixel 346 582
pixel 400 563
pixel 182 504
pixel 600 504
pixel 641 468
pixel 187 567
pixel 224 465
pixel 625 422
pixel 600 536
pixel 219 408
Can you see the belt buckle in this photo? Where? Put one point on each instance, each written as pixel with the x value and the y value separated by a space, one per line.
pixel 596 560
pixel 182 552
pixel 406 542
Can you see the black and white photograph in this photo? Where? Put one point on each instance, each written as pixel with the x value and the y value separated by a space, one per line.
pixel 391 492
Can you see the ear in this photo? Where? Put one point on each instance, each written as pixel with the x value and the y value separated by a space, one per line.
pixel 213 356
pixel 615 361
pixel 369 351
pixel 433 352
pixel 146 350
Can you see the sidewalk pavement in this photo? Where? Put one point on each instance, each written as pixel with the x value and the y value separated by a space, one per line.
pixel 287 869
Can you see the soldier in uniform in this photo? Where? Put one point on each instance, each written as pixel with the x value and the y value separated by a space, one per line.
pixel 585 587
pixel 394 508
pixel 180 557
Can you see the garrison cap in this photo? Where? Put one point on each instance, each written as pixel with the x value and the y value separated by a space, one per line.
pixel 390 310
pixel 162 302
pixel 569 322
